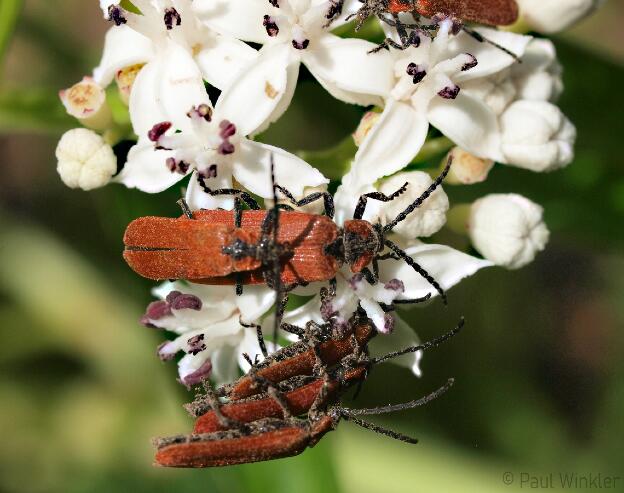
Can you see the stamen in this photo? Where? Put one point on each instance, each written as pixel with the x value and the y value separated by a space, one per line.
pixel 176 166
pixel 172 16
pixel 275 3
pixel 470 64
pixel 228 129
pixel 388 323
pixel 196 344
pixel 395 285
pixel 158 130
pixel 301 45
pixel 116 14
pixel 271 26
pixel 187 302
pixel 417 72
pixel 202 111
pixel 210 172
pixel 198 375
pixel 155 311
pixel 449 92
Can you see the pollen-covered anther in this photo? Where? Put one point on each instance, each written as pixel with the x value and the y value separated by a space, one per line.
pixel 389 323
pixel 198 375
pixel 275 3
pixel 116 14
pixel 202 111
pixel 196 344
pixel 158 130
pixel 186 302
pixel 449 92
pixel 172 18
pixel 271 26
pixel 210 172
pixel 155 311
pixel 472 63
pixel 300 45
pixel 395 285
pixel 417 72
pixel 177 166
pixel 227 130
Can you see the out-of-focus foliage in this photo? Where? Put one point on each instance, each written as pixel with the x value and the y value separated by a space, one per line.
pixel 540 373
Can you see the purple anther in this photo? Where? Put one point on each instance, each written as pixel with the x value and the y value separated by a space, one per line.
pixel 158 130
pixel 196 344
pixel 227 129
pixel 271 26
pixel 417 72
pixel 172 18
pixel 470 64
pixel 176 166
pixel 300 45
pixel 198 375
pixel 202 111
pixel 395 285
pixel 449 92
pixel 116 14
pixel 186 302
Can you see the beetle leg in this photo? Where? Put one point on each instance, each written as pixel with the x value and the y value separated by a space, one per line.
pixel 239 283
pixel 238 211
pixel 259 334
pixel 328 200
pixel 369 276
pixel 245 197
pixel 275 394
pixel 414 265
pixel 316 409
pixel 186 210
pixel 215 405
pixel 381 197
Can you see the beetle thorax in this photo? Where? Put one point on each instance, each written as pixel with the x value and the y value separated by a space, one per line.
pixel 361 242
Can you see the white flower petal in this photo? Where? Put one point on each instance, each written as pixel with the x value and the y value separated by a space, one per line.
pixel 402 337
pixel 391 144
pixel 222 59
pixel 123 47
pixel 165 90
pixel 255 302
pixel 376 314
pixel 225 364
pixel 345 68
pixel 490 59
pixel 241 19
pixel 146 170
pixel 257 90
pixel 197 199
pixel 447 266
pixel 251 347
pixel 469 122
pixel 252 170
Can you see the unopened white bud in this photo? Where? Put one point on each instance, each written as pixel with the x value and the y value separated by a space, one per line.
pixel 84 160
pixel 426 219
pixel 536 135
pixel 467 168
pixel 507 229
pixel 125 80
pixel 538 77
pixel 367 123
pixel 550 16
pixel 86 101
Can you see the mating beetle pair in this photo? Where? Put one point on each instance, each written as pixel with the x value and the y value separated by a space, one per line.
pixel 260 421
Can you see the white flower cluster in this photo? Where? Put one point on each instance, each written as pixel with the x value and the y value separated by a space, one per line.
pixel 163 54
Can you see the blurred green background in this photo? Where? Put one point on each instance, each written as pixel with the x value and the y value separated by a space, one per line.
pixel 539 370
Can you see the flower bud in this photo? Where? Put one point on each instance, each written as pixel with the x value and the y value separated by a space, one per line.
pixel 536 135
pixel 367 123
pixel 507 229
pixel 84 160
pixel 550 16
pixel 426 219
pixel 467 169
pixel 125 80
pixel 86 101
pixel 538 77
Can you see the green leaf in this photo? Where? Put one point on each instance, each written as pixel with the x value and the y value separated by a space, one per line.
pixel 33 110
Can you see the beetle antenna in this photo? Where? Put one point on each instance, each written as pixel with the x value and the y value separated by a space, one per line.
pixel 421 347
pixel 482 39
pixel 418 202
pixel 382 431
pixel 400 407
pixel 277 271
pixel 414 265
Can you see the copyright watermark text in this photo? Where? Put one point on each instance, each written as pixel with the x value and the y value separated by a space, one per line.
pixel 563 480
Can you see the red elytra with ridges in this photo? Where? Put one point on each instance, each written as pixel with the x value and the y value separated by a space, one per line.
pixel 488 12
